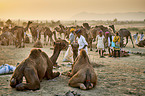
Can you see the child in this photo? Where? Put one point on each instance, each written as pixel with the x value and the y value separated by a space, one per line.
pixel 100 43
pixel 116 40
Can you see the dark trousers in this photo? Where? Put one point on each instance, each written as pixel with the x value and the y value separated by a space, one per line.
pixel 115 53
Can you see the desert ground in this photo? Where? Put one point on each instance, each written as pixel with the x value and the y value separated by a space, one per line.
pixel 122 76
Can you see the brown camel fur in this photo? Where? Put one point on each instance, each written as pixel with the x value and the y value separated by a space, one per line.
pixel 123 33
pixel 75 47
pixel 34 68
pixel 61 30
pixel 58 46
pixel 82 74
pixel 36 33
pixel 48 34
pixel 19 34
pixel 141 43
pixel 38 44
pixel 9 37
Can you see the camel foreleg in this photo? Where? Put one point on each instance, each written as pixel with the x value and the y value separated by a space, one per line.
pixel 32 79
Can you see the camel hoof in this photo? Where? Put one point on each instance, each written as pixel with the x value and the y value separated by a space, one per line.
pixel 91 86
pixel 91 50
pixel 83 87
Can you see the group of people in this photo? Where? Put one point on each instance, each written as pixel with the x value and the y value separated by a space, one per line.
pixel 105 41
pixel 102 42
pixel 135 36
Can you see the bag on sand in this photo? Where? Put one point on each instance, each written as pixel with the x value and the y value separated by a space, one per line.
pixel 68 57
pixel 6 68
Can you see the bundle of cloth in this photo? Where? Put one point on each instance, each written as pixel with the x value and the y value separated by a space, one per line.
pixel 6 68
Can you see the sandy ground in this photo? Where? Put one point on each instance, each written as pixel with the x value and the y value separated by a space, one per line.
pixel 116 77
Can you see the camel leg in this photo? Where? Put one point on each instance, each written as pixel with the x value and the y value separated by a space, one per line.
pixel 132 40
pixel 126 41
pixel 51 41
pixel 49 73
pixel 44 40
pixel 47 40
pixel 32 79
pixel 77 81
pixel 91 46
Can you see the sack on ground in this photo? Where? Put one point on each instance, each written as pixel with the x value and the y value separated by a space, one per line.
pixel 6 68
pixel 68 55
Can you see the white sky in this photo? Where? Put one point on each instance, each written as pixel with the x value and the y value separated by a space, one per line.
pixel 64 9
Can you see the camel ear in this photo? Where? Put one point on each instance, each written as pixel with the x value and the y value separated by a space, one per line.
pixel 39 50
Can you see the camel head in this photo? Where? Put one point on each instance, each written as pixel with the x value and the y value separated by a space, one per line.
pixel 86 25
pixel 60 44
pixel 29 22
pixel 75 46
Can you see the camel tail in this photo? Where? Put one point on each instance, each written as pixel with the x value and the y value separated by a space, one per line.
pixel 83 53
pixel 88 79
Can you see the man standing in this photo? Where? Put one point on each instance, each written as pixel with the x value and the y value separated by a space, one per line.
pixel 71 36
pixel 81 41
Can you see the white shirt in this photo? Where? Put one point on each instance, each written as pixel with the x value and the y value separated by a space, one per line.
pixel 81 41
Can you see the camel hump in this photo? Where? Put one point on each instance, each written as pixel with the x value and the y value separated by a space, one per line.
pixel 35 53
pixel 83 53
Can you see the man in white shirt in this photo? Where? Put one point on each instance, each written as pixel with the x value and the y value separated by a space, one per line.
pixel 81 41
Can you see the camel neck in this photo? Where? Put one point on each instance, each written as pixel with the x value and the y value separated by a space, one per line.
pixel 27 27
pixel 55 55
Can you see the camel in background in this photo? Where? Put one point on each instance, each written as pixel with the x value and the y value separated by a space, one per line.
pixel 48 34
pixel 123 33
pixel 18 31
pixel 36 33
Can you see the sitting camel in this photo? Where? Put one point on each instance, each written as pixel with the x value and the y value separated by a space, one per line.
pixel 82 74
pixel 34 68
pixel 141 43
pixel 38 44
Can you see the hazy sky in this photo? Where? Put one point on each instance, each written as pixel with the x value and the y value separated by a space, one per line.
pixel 65 9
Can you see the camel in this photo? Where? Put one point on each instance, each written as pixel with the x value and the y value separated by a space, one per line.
pixel 61 30
pixel 36 33
pixel 82 74
pixel 34 68
pixel 75 47
pixel 58 46
pixel 38 44
pixel 4 42
pixel 141 43
pixel 48 33
pixel 123 33
pixel 91 34
pixel 19 34
pixel 9 37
